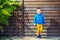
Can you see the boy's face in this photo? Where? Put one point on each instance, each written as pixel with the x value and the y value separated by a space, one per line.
pixel 38 11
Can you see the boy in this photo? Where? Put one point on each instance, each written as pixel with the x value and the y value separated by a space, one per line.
pixel 39 21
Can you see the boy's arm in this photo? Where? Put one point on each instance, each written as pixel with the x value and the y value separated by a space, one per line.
pixel 34 20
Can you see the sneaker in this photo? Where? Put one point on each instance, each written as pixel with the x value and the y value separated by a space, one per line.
pixel 39 36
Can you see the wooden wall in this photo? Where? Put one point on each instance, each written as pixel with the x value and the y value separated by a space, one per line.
pixel 51 11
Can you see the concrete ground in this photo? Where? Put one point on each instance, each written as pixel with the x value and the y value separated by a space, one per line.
pixel 29 38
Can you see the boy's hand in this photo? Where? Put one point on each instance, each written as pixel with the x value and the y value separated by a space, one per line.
pixel 34 24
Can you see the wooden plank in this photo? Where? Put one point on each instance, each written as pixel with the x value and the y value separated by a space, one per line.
pixel 46 21
pixel 46 18
pixel 35 34
pixel 29 26
pixel 34 12
pixel 42 3
pixel 44 27
pixel 44 31
pixel 44 24
pixel 46 15
pixel 33 24
pixel 41 6
pixel 42 0
pixel 31 21
pixel 43 9
pixel 44 12
pixel 31 31
pixel 43 34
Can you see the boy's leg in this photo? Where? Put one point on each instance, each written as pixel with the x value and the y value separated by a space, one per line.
pixel 38 32
pixel 41 28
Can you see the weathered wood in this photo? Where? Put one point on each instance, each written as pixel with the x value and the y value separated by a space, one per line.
pixel 50 3
pixel 41 6
pixel 51 11
pixel 42 0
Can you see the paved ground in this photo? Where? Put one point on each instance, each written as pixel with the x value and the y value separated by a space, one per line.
pixel 29 38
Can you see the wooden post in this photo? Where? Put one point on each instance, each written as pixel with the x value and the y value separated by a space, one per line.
pixel 23 17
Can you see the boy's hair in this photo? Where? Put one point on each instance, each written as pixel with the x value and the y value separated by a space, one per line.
pixel 38 8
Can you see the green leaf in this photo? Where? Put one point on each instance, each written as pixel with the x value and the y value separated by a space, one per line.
pixel 13 0
pixel 1 6
pixel 14 3
pixel 5 12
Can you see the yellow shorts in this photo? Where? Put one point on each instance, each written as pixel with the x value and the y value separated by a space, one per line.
pixel 39 28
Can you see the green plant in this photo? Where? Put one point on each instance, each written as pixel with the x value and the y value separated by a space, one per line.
pixel 1 29
pixel 6 8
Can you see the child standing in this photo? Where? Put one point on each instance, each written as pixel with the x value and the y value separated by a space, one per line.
pixel 39 21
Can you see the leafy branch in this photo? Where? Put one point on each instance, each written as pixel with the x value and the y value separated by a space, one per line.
pixel 6 8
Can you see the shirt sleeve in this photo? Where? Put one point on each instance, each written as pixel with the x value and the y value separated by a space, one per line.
pixel 43 19
pixel 34 20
